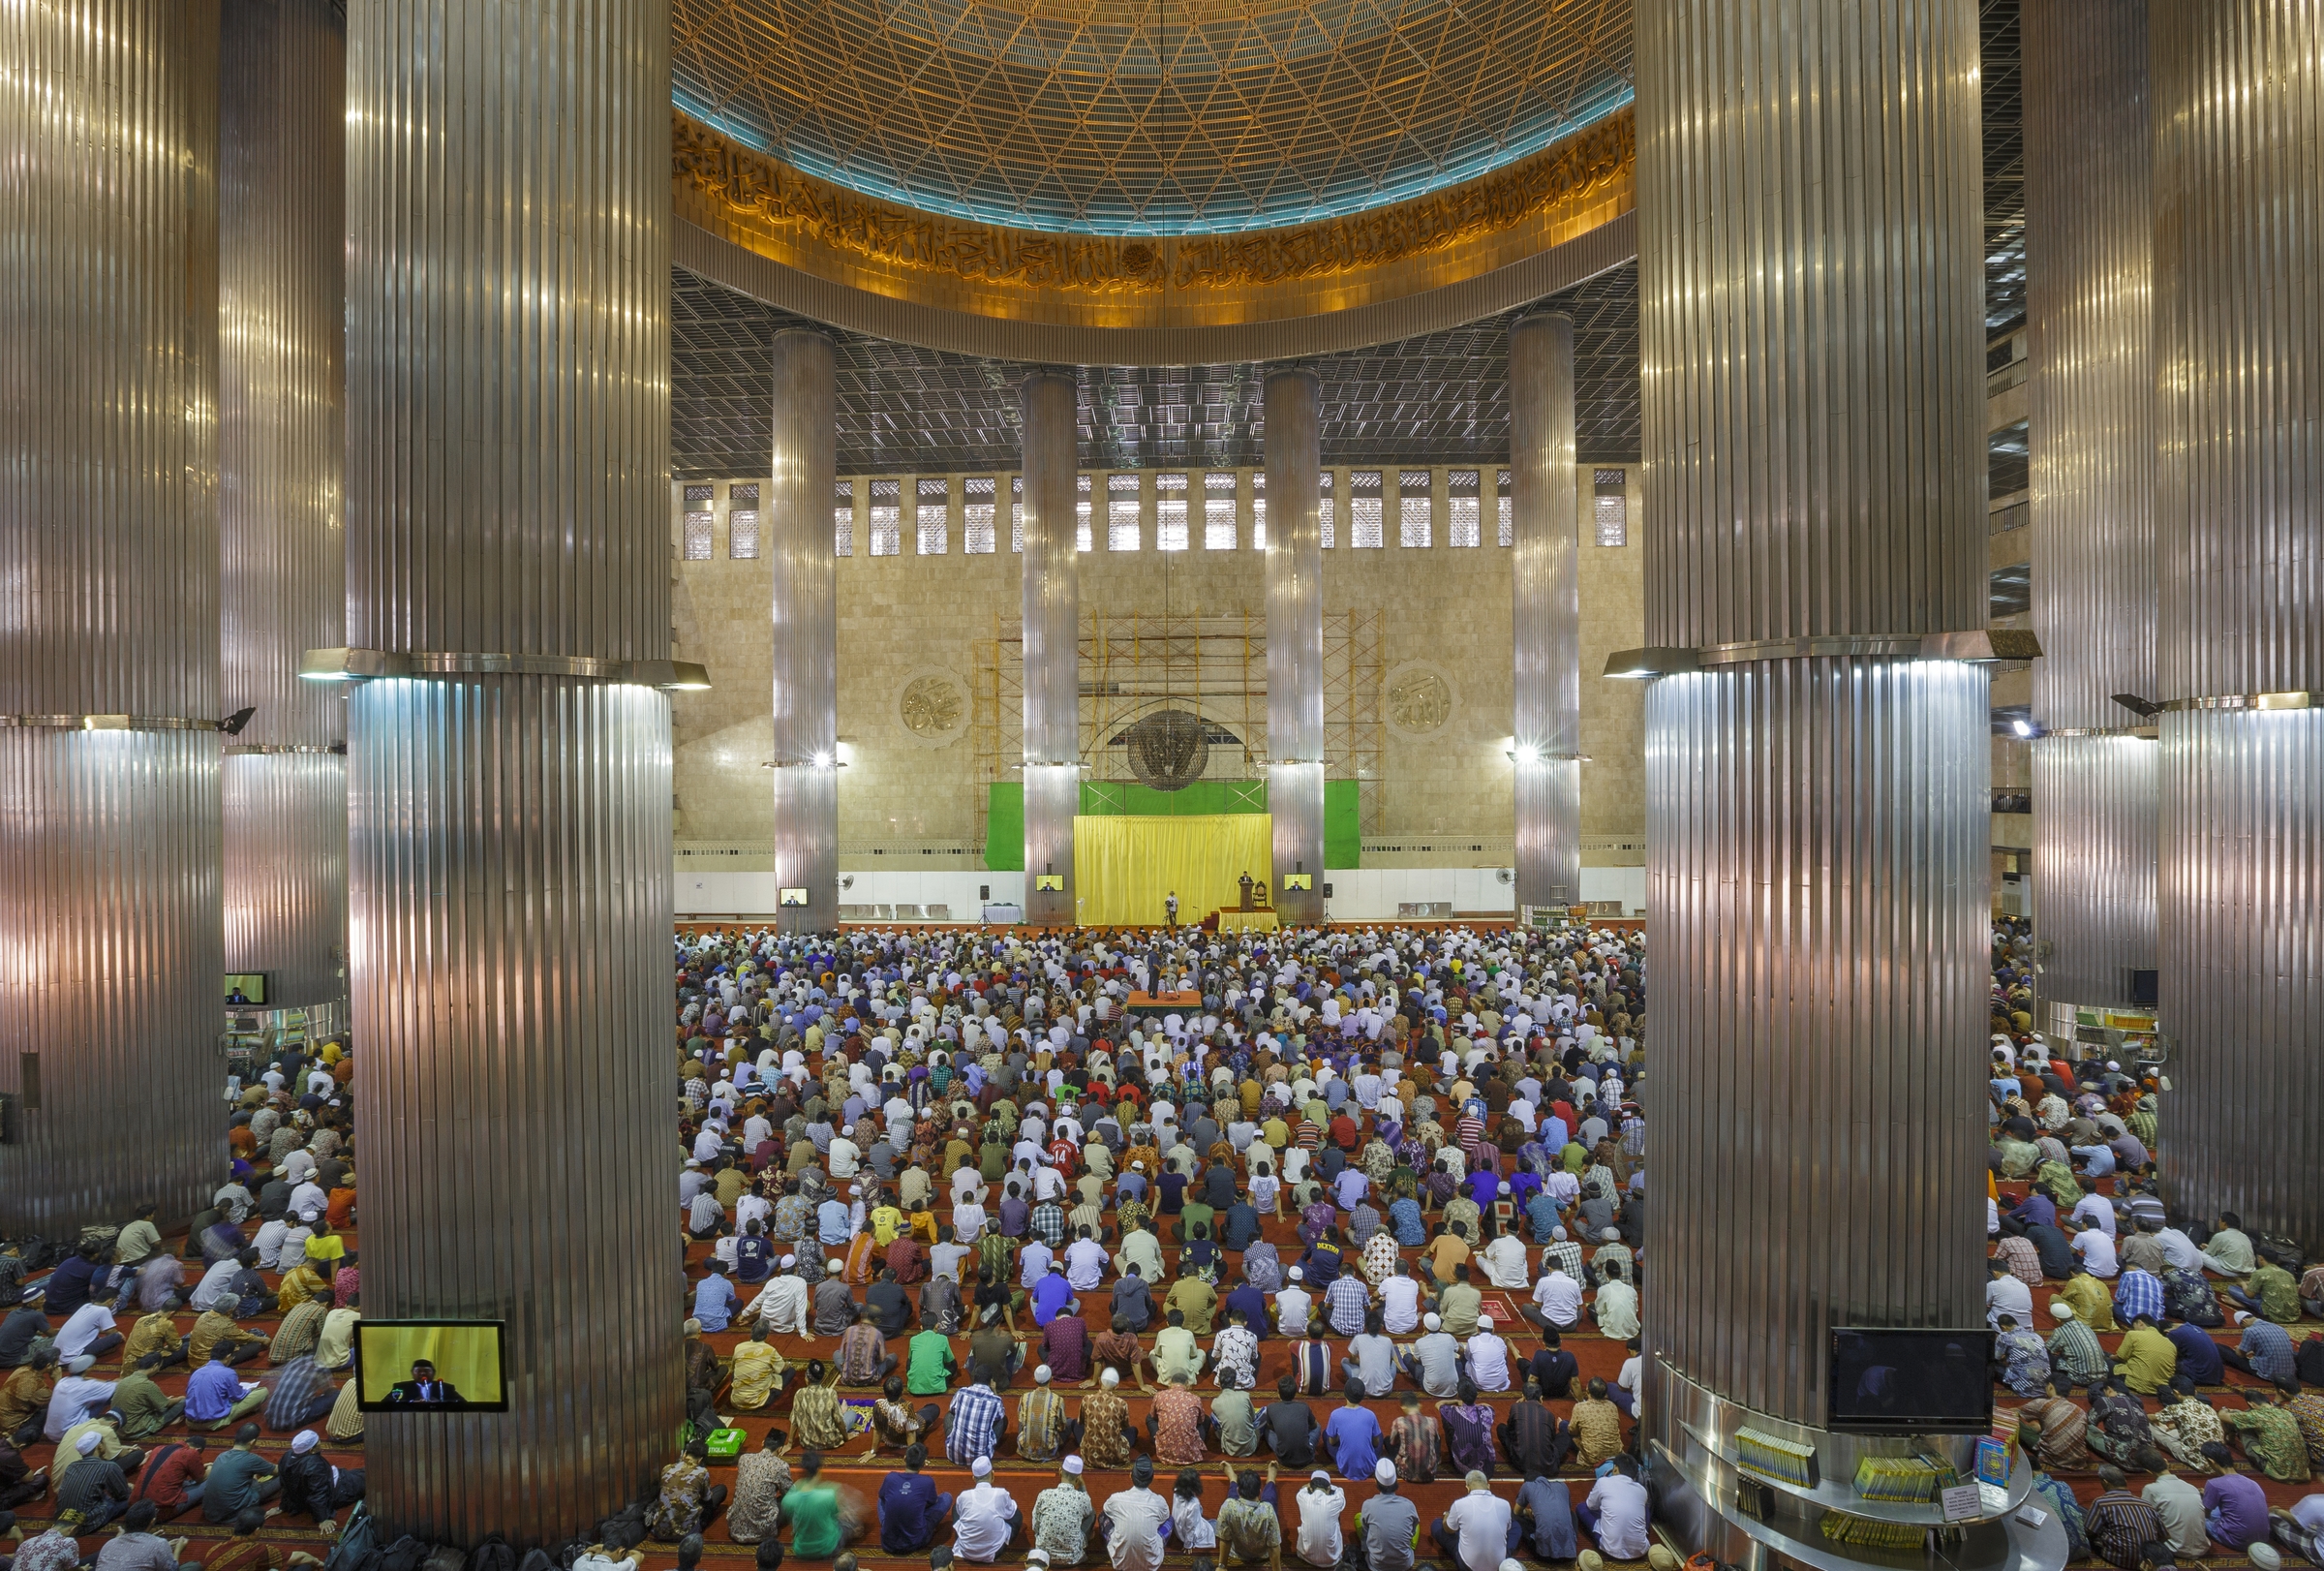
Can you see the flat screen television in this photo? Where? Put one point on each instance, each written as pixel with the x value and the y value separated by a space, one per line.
pixel 430 1366
pixel 1889 1380
pixel 246 987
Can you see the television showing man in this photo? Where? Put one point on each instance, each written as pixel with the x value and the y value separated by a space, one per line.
pixel 424 1389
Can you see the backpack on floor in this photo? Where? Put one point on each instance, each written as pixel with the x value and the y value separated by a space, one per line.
pixel 445 1557
pixel 358 1546
pixel 492 1553
pixel 406 1554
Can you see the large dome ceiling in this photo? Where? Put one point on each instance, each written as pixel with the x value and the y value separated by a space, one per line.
pixel 1147 117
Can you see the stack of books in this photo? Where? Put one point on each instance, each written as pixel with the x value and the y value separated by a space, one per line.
pixel 1909 1480
pixel 1774 1457
pixel 1865 1533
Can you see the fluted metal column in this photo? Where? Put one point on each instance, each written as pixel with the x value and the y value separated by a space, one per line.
pixel 1812 337
pixel 281 437
pixel 1545 610
pixel 2239 111
pixel 1053 630
pixel 110 961
pixel 509 834
pixel 1295 641
pixel 807 631
pixel 2090 275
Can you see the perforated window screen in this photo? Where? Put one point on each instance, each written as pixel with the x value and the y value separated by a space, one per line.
pixel 1415 511
pixel 1170 512
pixel 697 536
pixel 1366 498
pixel 1259 509
pixel 1218 510
pixel 934 516
pixel 1121 512
pixel 1017 512
pixel 1504 510
pixel 1609 506
pixel 742 522
pixel 1084 533
pixel 842 518
pixel 697 495
pixel 887 518
pixel 1325 485
pixel 976 515
pixel 1461 508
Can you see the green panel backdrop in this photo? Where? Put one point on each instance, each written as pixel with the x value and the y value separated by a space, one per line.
pixel 1004 816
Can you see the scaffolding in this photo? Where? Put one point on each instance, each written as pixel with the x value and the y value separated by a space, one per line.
pixel 1135 663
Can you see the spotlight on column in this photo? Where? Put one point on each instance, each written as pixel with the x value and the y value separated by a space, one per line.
pixel 2023 727
pixel 1526 754
pixel 823 761
pixel 2143 708
pixel 233 724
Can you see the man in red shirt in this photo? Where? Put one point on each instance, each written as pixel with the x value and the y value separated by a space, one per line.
pixel 172 1478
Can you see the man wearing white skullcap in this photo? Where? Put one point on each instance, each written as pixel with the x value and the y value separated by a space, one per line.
pixel 982 1519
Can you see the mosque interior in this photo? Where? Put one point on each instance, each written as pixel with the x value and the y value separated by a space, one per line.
pixel 1073 659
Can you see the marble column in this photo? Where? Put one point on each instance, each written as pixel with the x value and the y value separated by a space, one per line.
pixel 111 956
pixel 508 776
pixel 282 435
pixel 2240 546
pixel 1545 610
pixel 2089 275
pixel 1812 335
pixel 807 631
pixel 1052 628
pixel 1295 642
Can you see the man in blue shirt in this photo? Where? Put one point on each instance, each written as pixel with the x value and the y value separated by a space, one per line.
pixel 911 1509
pixel 1240 1226
pixel 753 1255
pixel 1353 1435
pixel 715 1298
pixel 1051 1294
pixel 835 1224
pixel 214 1395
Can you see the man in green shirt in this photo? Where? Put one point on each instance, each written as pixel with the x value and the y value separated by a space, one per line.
pixel 813 1509
pixel 2272 1437
pixel 1195 1299
pixel 239 1479
pixel 2272 1293
pixel 932 1368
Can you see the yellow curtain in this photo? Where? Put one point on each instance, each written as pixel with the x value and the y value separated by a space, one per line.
pixel 1125 865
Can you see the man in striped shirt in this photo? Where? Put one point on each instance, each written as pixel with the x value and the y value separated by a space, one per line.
pixel 2120 1524
pixel 972 1427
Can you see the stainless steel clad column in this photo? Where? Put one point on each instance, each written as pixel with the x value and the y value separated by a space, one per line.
pixel 1295 642
pixel 1812 358
pixel 110 964
pixel 509 856
pixel 2240 534
pixel 1546 579
pixel 1053 630
pixel 807 632
pixel 2090 266
pixel 282 439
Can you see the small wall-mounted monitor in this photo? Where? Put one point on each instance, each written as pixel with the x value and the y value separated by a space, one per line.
pixel 791 896
pixel 431 1366
pixel 1298 880
pixel 1890 1380
pixel 1045 881
pixel 247 987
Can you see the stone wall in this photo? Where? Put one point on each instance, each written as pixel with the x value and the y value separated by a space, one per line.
pixel 918 674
